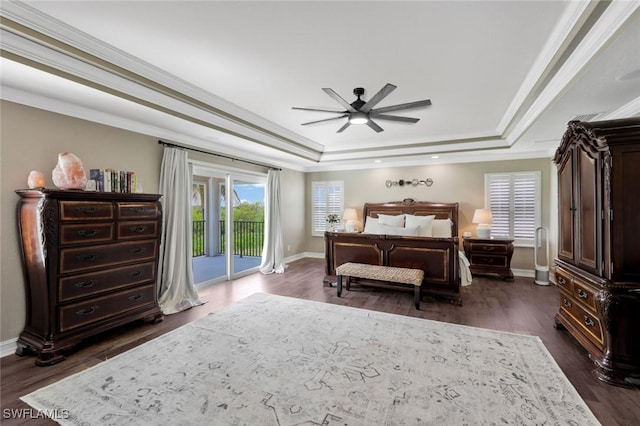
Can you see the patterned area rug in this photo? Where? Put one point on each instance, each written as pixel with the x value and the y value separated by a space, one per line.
pixel 272 360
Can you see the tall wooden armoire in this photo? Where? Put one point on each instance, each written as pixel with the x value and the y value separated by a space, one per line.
pixel 598 263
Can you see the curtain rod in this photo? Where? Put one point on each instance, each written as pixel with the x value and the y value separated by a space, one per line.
pixel 172 145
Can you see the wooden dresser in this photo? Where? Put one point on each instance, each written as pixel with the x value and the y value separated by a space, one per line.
pixel 90 262
pixel 598 264
pixel 489 256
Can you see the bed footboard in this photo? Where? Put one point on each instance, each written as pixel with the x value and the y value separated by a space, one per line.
pixel 437 257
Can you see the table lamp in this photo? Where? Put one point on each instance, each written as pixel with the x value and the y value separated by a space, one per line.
pixel 350 218
pixel 483 218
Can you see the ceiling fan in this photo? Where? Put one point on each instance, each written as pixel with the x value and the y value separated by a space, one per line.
pixel 362 112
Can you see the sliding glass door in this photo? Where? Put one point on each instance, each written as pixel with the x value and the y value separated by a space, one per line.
pixel 228 224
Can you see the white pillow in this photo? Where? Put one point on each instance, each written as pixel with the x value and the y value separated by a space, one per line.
pixel 371 225
pixel 397 220
pixel 441 228
pixel 411 231
pixel 424 224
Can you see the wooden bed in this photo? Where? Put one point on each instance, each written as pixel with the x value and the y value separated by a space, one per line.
pixel 437 257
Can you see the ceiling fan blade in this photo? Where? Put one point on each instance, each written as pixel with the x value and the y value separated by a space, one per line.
pixel 341 129
pixel 395 118
pixel 318 109
pixel 382 93
pixel 374 126
pixel 338 99
pixel 326 119
pixel 408 105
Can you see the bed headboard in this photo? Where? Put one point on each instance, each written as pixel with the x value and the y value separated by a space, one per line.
pixel 417 208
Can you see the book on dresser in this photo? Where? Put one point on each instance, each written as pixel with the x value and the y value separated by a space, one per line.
pixel 90 262
pixel 598 264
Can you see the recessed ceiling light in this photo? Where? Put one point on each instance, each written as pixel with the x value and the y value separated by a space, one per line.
pixel 435 156
pixel 377 161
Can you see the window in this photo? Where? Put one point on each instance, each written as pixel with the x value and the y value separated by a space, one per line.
pixel 328 198
pixel 514 201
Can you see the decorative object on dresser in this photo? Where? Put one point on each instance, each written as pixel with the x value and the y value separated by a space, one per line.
pixel 90 262
pixel 483 218
pixel 598 264
pixel 489 256
pixel 69 172
pixel 438 256
pixel 409 182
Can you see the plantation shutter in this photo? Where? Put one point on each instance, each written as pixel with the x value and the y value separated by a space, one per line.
pixel 524 207
pixel 500 204
pixel 514 201
pixel 327 198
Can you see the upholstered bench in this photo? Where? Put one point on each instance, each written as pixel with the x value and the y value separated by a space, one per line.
pixel 387 274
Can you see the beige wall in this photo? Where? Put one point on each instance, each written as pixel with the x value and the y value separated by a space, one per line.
pixel 31 139
pixel 462 183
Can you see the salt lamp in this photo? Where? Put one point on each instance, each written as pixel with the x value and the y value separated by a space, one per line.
pixel 69 173
pixel 35 180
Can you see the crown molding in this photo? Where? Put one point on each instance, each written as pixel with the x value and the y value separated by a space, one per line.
pixel 616 14
pixel 575 14
pixel 35 38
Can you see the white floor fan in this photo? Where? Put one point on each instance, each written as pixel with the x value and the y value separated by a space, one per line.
pixel 542 270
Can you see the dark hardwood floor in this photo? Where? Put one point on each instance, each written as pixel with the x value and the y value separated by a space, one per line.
pixel 519 307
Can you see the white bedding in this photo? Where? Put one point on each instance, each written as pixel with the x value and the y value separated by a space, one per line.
pixel 465 272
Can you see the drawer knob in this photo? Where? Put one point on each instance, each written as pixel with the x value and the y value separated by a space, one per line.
pixel 89 311
pixel 85 284
pixel 137 250
pixel 561 281
pixel 87 210
pixel 488 248
pixel 86 257
pixel 136 297
pixel 137 229
pixel 87 234
pixel 566 303
pixel 582 294
pixel 137 209
pixel 135 274
pixel 588 321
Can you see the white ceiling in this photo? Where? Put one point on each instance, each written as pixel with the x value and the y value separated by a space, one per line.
pixel 504 77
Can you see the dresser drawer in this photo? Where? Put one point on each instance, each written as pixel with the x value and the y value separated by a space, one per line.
pixel 489 248
pixel 133 211
pixel 584 294
pixel 93 283
pixel 488 260
pixel 83 258
pixel 563 279
pixel 131 230
pixel 587 322
pixel 83 313
pixel 86 210
pixel 86 233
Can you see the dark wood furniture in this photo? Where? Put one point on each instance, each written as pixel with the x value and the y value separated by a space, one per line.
pixel 90 262
pixel 437 257
pixel 489 256
pixel 598 263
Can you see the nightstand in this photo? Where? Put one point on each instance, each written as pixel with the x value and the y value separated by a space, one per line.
pixel 489 256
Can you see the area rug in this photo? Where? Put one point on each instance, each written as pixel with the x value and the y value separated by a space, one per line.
pixel 273 360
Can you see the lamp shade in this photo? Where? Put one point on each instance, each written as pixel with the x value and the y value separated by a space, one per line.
pixel 350 214
pixel 482 216
pixel 350 217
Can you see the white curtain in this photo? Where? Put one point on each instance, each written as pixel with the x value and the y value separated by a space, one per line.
pixel 273 252
pixel 177 291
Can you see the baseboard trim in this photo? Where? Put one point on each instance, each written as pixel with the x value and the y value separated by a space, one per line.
pixel 8 347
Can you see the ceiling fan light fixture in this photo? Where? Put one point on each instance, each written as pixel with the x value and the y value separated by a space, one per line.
pixel 358 118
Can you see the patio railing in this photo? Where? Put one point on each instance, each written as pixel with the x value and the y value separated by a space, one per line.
pixel 248 237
